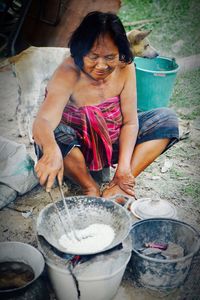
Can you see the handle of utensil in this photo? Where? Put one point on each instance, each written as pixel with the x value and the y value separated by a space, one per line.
pixel 70 223
pixel 52 200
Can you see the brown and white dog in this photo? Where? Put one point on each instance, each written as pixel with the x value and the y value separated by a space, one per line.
pixel 140 44
pixel 34 66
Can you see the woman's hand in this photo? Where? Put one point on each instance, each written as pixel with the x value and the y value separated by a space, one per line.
pixel 125 181
pixel 49 167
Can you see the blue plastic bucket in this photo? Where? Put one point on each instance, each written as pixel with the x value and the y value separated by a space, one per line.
pixel 163 275
pixel 155 81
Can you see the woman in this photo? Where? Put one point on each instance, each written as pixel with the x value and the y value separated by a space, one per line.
pixel 89 118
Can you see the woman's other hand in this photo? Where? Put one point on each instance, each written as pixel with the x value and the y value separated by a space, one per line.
pixel 122 183
pixel 125 180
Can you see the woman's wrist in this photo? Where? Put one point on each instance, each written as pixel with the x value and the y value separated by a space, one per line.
pixel 123 169
pixel 50 147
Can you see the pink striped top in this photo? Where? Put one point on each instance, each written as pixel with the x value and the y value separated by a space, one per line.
pixel 98 127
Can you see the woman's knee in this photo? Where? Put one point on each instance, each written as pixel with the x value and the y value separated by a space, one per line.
pixel 159 123
pixel 75 155
pixel 168 127
pixel 168 116
pixel 165 112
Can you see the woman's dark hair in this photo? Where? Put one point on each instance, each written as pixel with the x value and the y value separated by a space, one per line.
pixel 93 25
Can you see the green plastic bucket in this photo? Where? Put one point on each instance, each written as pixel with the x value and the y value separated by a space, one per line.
pixel 155 81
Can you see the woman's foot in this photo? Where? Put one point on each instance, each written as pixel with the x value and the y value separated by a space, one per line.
pixel 113 191
pixel 118 195
pixel 91 191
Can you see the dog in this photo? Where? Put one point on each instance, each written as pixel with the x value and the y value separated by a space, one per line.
pixel 34 66
pixel 140 44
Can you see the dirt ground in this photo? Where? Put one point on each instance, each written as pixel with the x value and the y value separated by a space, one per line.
pixel 154 182
pixel 167 178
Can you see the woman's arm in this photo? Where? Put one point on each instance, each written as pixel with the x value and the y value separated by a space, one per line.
pixel 128 134
pixel 49 115
pixel 129 130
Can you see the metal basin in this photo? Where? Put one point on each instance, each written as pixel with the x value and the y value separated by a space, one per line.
pixel 84 211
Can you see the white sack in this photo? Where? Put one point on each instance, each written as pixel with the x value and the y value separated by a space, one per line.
pixel 16 166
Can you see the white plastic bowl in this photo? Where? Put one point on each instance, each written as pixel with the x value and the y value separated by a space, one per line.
pixel 22 252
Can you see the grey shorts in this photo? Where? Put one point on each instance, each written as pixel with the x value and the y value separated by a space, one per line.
pixel 159 123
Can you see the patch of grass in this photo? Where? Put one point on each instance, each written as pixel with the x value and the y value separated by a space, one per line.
pixel 186 94
pixel 190 116
pixel 176 174
pixel 180 23
pixel 137 10
pixel 187 85
pixel 192 190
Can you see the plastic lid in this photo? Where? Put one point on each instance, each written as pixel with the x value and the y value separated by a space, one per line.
pixel 145 208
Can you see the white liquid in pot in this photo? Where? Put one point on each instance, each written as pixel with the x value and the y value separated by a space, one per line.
pixel 93 238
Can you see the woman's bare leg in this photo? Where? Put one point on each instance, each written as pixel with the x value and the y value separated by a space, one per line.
pixel 144 154
pixel 75 168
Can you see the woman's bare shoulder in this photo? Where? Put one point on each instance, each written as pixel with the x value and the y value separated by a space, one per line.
pixel 66 73
pixel 126 68
pixel 64 78
pixel 68 67
pixel 126 72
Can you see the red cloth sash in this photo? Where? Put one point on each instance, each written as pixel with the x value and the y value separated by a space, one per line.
pixel 98 127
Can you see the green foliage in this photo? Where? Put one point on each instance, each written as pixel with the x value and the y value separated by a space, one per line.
pixel 136 10
pixel 180 22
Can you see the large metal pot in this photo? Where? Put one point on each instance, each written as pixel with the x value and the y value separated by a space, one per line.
pixel 84 211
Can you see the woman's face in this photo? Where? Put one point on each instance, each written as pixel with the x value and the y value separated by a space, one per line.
pixel 102 59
